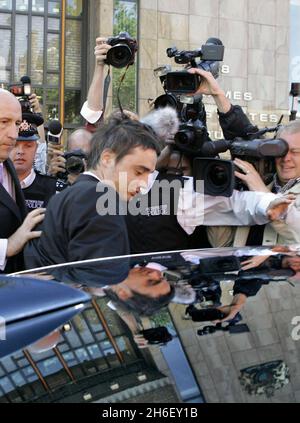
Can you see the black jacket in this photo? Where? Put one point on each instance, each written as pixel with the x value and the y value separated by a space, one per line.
pixel 12 215
pixel 74 231
pixel 235 123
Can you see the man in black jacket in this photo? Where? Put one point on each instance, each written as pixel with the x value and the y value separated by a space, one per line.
pixel 86 221
pixel 15 228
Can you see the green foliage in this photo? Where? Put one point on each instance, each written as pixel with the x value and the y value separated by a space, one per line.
pixel 125 19
pixel 161 319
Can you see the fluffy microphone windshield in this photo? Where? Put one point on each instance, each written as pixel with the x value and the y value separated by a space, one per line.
pixel 164 122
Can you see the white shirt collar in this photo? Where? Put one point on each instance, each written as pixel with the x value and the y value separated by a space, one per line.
pixel 28 180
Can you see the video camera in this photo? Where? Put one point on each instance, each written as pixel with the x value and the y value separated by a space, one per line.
pixel 182 82
pixel 193 139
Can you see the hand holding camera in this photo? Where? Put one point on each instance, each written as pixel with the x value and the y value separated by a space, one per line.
pixel 35 105
pixel 101 50
pixel 57 162
pixel 208 85
pixel 249 176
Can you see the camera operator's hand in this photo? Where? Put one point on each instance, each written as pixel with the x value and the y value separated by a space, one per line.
pixel 210 86
pixel 35 103
pixel 233 309
pixel 25 233
pixel 141 342
pixel 57 161
pixel 250 176
pixel 278 208
pixel 254 262
pixel 230 311
pixel 101 50
pixel 291 263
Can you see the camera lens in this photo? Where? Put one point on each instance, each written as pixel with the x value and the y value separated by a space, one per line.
pixel 165 100
pixel 119 56
pixel 75 165
pixel 217 175
pixel 184 137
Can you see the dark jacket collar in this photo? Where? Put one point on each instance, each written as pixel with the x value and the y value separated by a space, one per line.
pixel 18 207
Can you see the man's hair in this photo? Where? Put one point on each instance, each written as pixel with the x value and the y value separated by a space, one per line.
pixel 121 137
pixel 289 129
pixel 83 133
pixel 141 305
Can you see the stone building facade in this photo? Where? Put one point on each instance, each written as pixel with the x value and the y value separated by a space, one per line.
pixel 256 35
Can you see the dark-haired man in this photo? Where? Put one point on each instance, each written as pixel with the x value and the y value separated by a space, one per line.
pixel 78 226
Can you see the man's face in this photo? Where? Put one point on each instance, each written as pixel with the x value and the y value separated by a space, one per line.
pixel 148 282
pixel 131 173
pixel 288 167
pixel 23 156
pixel 10 119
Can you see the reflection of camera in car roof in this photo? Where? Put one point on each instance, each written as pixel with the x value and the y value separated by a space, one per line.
pixel 122 52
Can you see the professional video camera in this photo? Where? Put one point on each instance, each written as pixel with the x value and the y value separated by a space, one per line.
pixel 193 139
pixel 219 175
pixel 123 50
pixel 190 108
pixel 23 90
pixel 182 82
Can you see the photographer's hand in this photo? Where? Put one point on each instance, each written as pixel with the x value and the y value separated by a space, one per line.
pixel 101 50
pixel 57 161
pixel 250 176
pixel 210 86
pixel 35 103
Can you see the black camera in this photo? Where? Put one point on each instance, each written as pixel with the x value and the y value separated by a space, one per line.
pixel 182 82
pixel 157 336
pixel 123 50
pixel 219 175
pixel 75 164
pixel 205 315
pixel 23 90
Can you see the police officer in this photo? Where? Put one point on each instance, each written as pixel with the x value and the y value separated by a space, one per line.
pixel 37 188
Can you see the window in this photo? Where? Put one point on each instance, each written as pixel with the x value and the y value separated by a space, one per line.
pixel 295 42
pixel 43 39
pixel 125 19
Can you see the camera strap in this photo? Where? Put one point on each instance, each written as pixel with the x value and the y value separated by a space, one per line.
pixel 107 82
pixel 119 88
